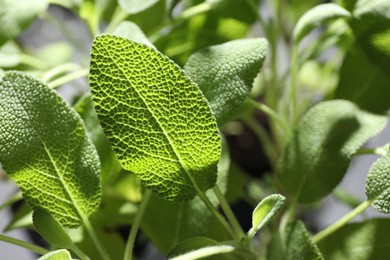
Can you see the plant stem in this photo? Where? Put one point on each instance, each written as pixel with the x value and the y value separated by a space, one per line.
pixel 228 212
pixel 79 252
pixel 52 73
pixel 380 150
pixel 11 201
pixel 134 228
pixel 67 78
pixel 293 84
pixel 341 222
pixel 192 11
pixel 118 17
pixel 21 243
pixel 88 227
pixel 272 114
pixel 215 212
pixel 32 61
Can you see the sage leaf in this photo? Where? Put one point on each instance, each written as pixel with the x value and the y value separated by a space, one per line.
pixel 320 150
pixel 131 31
pixel 60 254
pixel 359 241
pixel 157 121
pixel 265 211
pixel 9 55
pixel 191 244
pixel 136 6
pixel 299 244
pixel 225 73
pixel 50 229
pixel 318 15
pixel 15 16
pixel 44 148
pixel 378 184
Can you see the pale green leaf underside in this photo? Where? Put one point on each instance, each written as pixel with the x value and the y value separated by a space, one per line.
pixel 44 148
pixel 15 16
pixel 265 211
pixel 156 119
pixel 378 184
pixel 225 73
pixel 316 16
pixel 319 153
pixel 131 31
pixel 367 240
pixel 61 254
pixel 136 6
pixel 374 8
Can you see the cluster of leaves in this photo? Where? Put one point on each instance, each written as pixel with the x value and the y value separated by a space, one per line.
pixel 168 80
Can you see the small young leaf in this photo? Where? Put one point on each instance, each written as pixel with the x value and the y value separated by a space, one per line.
pixel 316 16
pixel 299 244
pixel 136 6
pixel 61 254
pixel 225 73
pixel 15 16
pixel 131 31
pixel 265 211
pixel 358 241
pixel 319 152
pixel 378 184
pixel 50 229
pixel 156 119
pixel 46 151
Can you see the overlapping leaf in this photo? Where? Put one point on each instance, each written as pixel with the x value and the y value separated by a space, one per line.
pixel 156 119
pixel 319 153
pixel 44 148
pixel 225 73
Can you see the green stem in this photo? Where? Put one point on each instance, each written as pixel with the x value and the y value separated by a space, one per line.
pixel 137 222
pixel 21 243
pixel 193 11
pixel 11 201
pixel 32 61
pixel 215 212
pixel 293 84
pixel 118 17
pixel 228 212
pixel 52 73
pixel 341 222
pixel 67 78
pixel 272 114
pixel 79 252
pixel 88 227
pixel 380 150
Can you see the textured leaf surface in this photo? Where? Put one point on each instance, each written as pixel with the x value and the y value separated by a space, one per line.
pixel 318 15
pixel 319 153
pixel 378 184
pixel 60 254
pixel 156 119
pixel 368 240
pixel 299 244
pixel 364 77
pixel 136 6
pixel 15 16
pixel 225 73
pixel 264 212
pixel 44 148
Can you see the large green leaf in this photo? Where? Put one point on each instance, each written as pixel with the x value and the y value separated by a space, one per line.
pixel 156 119
pixel 44 148
pixel 378 184
pixel 225 73
pixel 319 153
pixel 368 240
pixel 364 77
pixel 15 16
